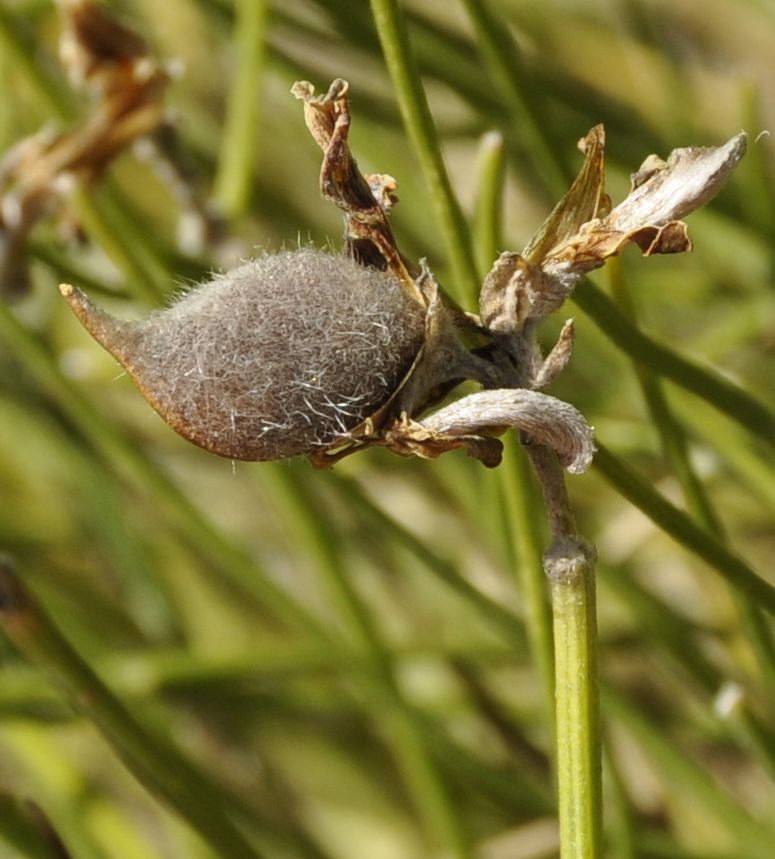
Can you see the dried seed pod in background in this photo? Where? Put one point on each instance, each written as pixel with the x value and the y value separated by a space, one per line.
pixel 275 358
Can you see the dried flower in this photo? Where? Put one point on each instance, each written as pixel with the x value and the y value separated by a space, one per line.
pixel 307 353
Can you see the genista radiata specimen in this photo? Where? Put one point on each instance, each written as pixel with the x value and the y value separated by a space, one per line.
pixel 305 352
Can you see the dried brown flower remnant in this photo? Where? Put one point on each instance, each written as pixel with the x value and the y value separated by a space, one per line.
pixel 275 358
pixel 583 231
pixel 128 85
pixel 304 353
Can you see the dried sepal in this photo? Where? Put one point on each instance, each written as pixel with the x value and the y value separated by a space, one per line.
pixel 474 422
pixel 542 419
pixel 559 356
pixel 585 200
pixel 581 233
pixel 368 232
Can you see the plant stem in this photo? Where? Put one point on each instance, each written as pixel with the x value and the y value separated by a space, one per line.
pixel 514 484
pixel 488 208
pixel 521 501
pixel 569 565
pixel 416 114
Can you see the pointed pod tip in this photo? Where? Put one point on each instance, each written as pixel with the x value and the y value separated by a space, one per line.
pixel 79 302
pixel 111 333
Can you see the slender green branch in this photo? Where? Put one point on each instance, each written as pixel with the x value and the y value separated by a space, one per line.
pixel 488 208
pixel 517 492
pixel 236 162
pixel 522 504
pixel 570 567
pixel 578 740
pixel 725 396
pixel 416 114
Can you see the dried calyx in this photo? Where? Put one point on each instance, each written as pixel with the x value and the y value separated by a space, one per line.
pixel 307 353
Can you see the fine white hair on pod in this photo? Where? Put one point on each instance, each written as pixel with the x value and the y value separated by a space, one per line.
pixel 275 358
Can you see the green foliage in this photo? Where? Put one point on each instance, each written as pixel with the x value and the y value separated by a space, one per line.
pixel 289 663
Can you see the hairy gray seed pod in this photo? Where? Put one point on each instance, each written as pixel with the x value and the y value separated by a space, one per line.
pixel 276 358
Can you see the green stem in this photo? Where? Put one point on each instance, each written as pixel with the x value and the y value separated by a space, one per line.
pixel 569 564
pixel 521 502
pixel 578 741
pixel 488 209
pixel 757 417
pixel 416 114
pixel 155 763
pixel 236 163
pixel 517 492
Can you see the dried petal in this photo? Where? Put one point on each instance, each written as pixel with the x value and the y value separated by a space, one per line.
pixel 662 192
pixel 584 201
pixel 668 191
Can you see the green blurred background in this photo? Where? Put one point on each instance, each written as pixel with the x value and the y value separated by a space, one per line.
pixel 343 656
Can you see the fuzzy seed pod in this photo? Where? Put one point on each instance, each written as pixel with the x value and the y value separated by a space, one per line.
pixel 276 358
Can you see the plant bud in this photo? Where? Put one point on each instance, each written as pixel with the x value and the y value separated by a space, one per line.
pixel 276 358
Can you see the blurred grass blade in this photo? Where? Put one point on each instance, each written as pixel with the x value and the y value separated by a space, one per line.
pixel 742 407
pixel 419 123
pixel 501 54
pixel 392 713
pixel 237 158
pixel 155 763
pixel 676 451
pixel 682 774
pixel 678 525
